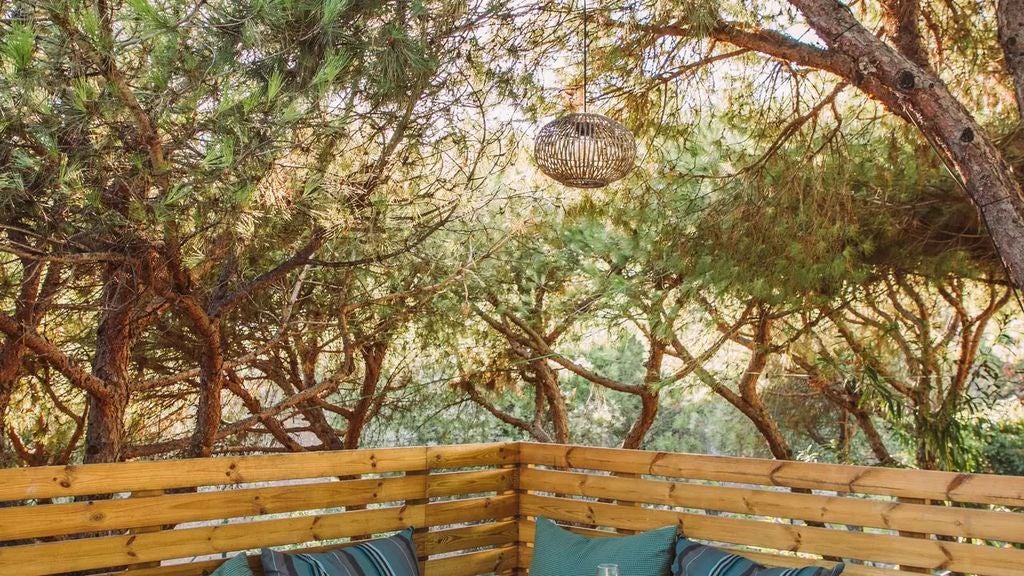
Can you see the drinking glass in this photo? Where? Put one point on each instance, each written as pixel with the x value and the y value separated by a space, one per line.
pixel 607 570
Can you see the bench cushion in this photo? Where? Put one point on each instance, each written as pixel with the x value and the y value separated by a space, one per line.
pixel 237 565
pixel 559 552
pixel 695 559
pixel 392 556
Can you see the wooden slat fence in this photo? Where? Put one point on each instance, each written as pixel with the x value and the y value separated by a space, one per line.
pixel 474 507
pixel 851 512
pixel 77 518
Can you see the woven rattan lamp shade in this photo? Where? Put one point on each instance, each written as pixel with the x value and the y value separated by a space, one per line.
pixel 585 150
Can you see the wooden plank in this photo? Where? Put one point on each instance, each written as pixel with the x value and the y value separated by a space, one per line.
pixel 472 455
pixel 937 555
pixel 76 517
pixel 112 551
pixel 470 537
pixel 142 529
pixel 971 523
pixel 950 486
pixel 497 560
pixel 86 479
pixel 437 542
pixel 96 553
pixel 419 532
pixel 469 510
pixel 907 534
pixel 471 482
pixel 71 518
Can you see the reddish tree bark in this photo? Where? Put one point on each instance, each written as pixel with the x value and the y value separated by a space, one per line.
pixel 373 365
pixel 115 337
pixel 900 79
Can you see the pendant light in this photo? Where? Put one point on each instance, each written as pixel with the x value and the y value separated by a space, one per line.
pixel 585 150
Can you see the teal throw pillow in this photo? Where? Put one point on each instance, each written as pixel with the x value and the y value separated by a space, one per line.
pixel 391 556
pixel 558 552
pixel 693 559
pixel 234 566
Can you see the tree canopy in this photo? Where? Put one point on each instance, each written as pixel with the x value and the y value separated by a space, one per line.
pixel 285 225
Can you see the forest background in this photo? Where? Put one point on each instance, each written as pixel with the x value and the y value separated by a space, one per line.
pixel 283 225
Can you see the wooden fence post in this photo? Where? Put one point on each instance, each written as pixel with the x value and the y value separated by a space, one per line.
pixel 146 529
pixel 419 535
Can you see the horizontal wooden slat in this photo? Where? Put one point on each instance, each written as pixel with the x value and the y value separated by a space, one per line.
pixel 435 542
pixel 87 479
pixel 100 515
pixel 774 560
pixel 965 522
pixel 471 455
pixel 469 537
pixel 110 551
pixel 471 482
pixel 498 560
pixel 457 511
pixel 317 490
pixel 786 537
pixel 94 553
pixel 71 518
pixel 933 485
pixel 81 480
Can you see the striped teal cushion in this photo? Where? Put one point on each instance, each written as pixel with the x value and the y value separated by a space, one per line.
pixel 693 559
pixel 392 556
pixel 558 552
pixel 234 566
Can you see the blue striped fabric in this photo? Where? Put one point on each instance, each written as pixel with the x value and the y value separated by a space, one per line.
pixel 693 559
pixel 392 556
pixel 235 566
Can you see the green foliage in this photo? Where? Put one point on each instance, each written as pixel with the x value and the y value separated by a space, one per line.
pixel 1003 447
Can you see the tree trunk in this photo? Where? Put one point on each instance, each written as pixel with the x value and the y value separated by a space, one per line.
pixel 115 337
pixel 648 412
pixel 547 378
pixel 7 459
pixel 918 94
pixel 1010 18
pixel 211 383
pixel 373 364
pixel 878 447
pixel 104 437
pixel 209 409
pixel 314 414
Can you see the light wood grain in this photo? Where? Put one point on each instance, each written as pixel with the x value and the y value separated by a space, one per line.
pixel 94 553
pixel 99 515
pixel 87 479
pixel 476 501
pixel 892 515
pixel 437 542
pixel 949 486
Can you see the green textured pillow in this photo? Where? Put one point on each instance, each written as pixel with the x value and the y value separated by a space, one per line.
pixel 693 559
pixel 234 566
pixel 558 552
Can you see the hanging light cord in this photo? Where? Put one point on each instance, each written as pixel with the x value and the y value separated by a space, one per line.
pixel 585 46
